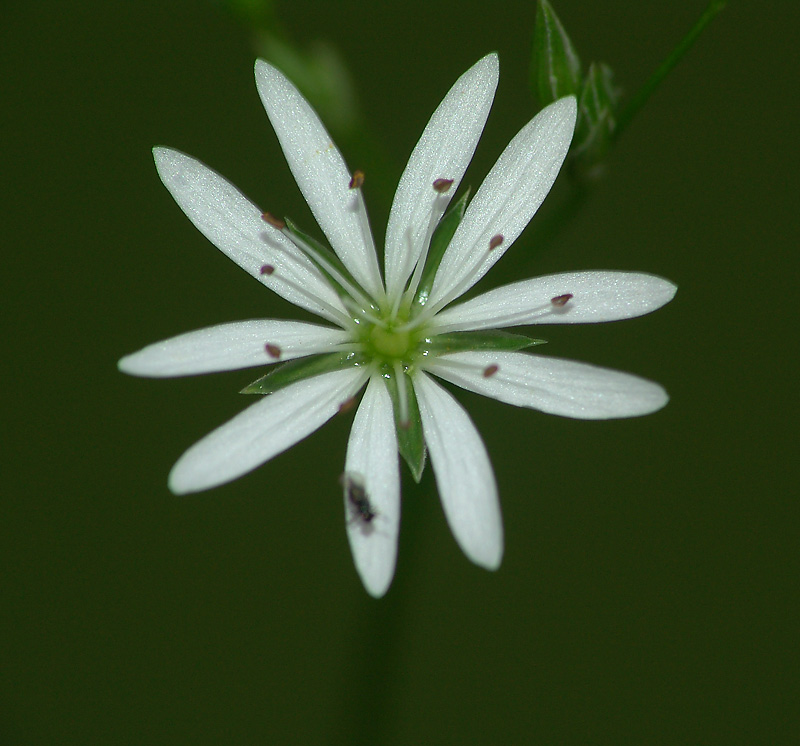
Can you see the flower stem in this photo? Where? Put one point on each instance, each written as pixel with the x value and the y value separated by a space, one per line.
pixel 370 687
pixel 650 85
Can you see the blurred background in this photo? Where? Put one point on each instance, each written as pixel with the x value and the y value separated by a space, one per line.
pixel 648 590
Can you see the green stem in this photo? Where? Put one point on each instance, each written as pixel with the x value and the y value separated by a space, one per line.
pixel 644 93
pixel 370 686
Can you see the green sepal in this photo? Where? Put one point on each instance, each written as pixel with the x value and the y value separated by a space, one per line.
pixel 329 256
pixel 555 65
pixel 439 242
pixel 301 368
pixel 410 440
pixel 597 108
pixel 493 339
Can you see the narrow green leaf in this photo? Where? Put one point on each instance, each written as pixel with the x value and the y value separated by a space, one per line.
pixel 439 242
pixel 300 369
pixel 410 441
pixel 493 339
pixel 555 65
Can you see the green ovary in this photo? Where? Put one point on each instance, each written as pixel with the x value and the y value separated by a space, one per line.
pixel 390 345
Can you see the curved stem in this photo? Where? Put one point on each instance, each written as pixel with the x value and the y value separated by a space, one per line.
pixel 650 85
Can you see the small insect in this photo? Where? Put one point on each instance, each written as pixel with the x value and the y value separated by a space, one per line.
pixel 357 498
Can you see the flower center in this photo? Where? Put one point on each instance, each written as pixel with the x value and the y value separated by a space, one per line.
pixel 389 344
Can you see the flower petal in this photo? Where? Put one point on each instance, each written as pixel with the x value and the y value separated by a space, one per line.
pixel 507 199
pixel 321 174
pixel 372 460
pixel 593 297
pixel 263 430
pixel 241 344
pixel 443 152
pixel 464 475
pixel 234 225
pixel 555 386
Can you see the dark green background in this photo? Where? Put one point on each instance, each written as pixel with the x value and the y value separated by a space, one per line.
pixel 648 589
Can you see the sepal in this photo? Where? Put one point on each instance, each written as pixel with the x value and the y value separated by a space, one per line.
pixel 410 441
pixel 300 369
pixel 327 256
pixel 439 242
pixel 493 339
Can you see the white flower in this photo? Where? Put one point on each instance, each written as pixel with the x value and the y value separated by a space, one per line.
pixel 396 337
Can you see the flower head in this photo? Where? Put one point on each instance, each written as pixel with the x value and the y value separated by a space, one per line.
pixel 394 337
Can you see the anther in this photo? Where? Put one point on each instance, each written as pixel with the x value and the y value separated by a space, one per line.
pixel 267 269
pixel 347 405
pixel 495 241
pixel 561 300
pixel 273 350
pixel 490 370
pixel 358 179
pixel 442 185
pixel 268 217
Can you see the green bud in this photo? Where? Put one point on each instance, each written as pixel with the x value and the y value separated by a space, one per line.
pixel 597 107
pixel 555 65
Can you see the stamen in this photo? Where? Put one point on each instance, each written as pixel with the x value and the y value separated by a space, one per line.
pixel 343 320
pixel 402 393
pixel 370 255
pixel 490 370
pixel 268 217
pixel 267 269
pixel 561 300
pixel 442 185
pixel 322 262
pixel 347 405
pixel 362 313
pixel 358 179
pixel 429 312
pixel 273 350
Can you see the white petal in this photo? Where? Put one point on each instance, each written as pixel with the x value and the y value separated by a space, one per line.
pixel 241 344
pixel 508 198
pixel 551 385
pixel 596 296
pixel 443 152
pixel 464 475
pixel 263 430
pixel 321 174
pixel 234 225
pixel 372 459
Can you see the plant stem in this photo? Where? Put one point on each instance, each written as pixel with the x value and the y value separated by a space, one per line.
pixel 644 93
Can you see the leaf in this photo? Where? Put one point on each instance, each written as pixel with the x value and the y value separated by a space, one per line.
pixel 300 369
pixel 439 242
pixel 493 339
pixel 410 441
pixel 555 65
